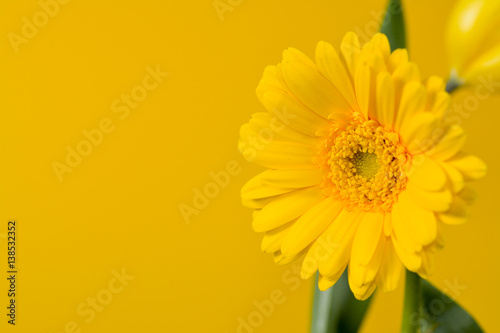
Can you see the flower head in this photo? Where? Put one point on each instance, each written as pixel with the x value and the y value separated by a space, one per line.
pixel 473 39
pixel 363 170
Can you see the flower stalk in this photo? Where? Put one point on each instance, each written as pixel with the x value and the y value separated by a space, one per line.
pixel 413 298
pixel 454 82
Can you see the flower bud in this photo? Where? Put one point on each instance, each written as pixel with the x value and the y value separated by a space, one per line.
pixel 473 40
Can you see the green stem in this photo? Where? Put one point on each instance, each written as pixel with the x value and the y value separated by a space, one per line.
pixel 336 310
pixel 413 296
pixel 454 82
pixel 451 85
pixel 323 320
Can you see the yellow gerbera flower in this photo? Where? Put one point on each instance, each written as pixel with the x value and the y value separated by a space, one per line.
pixel 473 39
pixel 363 170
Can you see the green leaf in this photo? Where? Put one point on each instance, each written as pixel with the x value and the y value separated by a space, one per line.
pixel 393 25
pixel 440 314
pixel 336 310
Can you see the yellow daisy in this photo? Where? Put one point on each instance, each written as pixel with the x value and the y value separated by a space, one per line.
pixel 363 170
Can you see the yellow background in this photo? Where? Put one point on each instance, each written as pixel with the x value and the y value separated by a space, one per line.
pixel 120 207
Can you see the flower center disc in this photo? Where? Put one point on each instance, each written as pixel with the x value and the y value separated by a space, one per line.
pixel 366 164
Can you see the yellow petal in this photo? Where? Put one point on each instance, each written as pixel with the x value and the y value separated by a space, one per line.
pixel 289 111
pixel 438 201
pixel 468 195
pixel 361 275
pixel 385 99
pixel 412 101
pixel 458 212
pixel 330 65
pixel 256 189
pixel 264 127
pixel 362 85
pixel 338 238
pixel 273 239
pixel 294 55
pixel 380 41
pixel 377 63
pixel 441 104
pixel 387 224
pixel 427 267
pixel 278 154
pixel 397 58
pixel 411 260
pixel 363 293
pixel 406 72
pixel 350 50
pixel 426 173
pixel 440 241
pixel 271 79
pixel 313 89
pixel 455 178
pixel 256 203
pixel 450 144
pixel 325 283
pixel 286 208
pixel 418 131
pixel 402 231
pixel 367 237
pixel 420 222
pixel 402 75
pixel 280 259
pixel 310 225
pixel 319 251
pixel 389 271
pixel 311 261
pixel 470 166
pixel 292 178
pixel 435 87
